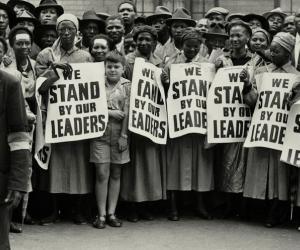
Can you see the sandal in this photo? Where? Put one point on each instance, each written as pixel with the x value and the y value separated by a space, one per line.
pixel 113 221
pixel 99 222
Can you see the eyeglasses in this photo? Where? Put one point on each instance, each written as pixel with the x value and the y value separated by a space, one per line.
pixel 65 29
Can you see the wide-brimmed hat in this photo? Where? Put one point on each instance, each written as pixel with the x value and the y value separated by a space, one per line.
pixel 181 14
pixel 30 6
pixel 11 14
pixel 277 11
pixel 89 16
pixel 217 10
pixel 44 4
pixel 103 15
pixel 160 12
pixel 215 31
pixel 232 16
pixel 27 16
pixel 264 23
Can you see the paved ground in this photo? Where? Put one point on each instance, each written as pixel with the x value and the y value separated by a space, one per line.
pixel 189 233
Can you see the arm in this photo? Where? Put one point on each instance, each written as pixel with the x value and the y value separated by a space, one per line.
pixel 19 143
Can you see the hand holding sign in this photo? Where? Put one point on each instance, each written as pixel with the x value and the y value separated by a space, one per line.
pixel 67 68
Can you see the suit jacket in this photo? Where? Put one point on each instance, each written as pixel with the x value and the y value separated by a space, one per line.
pixel 14 141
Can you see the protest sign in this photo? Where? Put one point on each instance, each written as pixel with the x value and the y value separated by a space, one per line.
pixel 228 117
pixel 147 113
pixel 270 116
pixel 42 150
pixel 186 101
pixel 77 107
pixel 291 146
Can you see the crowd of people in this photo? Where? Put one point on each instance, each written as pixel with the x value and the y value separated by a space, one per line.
pixel 90 179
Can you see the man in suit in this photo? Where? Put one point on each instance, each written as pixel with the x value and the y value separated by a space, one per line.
pixel 14 151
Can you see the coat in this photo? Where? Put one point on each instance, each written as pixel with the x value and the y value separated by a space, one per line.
pixel 189 165
pixel 69 169
pixel 144 178
pixel 14 147
pixel 266 176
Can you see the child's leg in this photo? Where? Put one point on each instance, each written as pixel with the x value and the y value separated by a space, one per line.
pixel 114 187
pixel 102 177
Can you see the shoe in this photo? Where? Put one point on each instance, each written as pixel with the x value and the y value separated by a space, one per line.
pixel 146 215
pixel 133 217
pixel 99 222
pixel 173 216
pixel 49 220
pixel 28 220
pixel 113 221
pixel 79 219
pixel 15 228
pixel 203 214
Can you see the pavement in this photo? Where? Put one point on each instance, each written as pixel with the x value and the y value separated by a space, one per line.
pixel 187 234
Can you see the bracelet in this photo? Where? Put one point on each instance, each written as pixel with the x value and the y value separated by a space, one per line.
pixel 124 136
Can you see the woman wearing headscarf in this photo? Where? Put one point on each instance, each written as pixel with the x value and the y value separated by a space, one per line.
pixel 266 176
pixel 231 160
pixel 259 44
pixel 69 170
pixel 189 164
pixel 143 181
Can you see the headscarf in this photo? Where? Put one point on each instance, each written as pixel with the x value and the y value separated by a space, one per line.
pixel 285 40
pixel 257 30
pixel 68 17
pixel 191 33
pixel 56 47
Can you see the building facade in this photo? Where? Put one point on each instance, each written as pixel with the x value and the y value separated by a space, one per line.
pixel 196 7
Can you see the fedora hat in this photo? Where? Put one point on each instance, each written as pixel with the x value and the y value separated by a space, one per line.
pixel 89 16
pixel 181 14
pixel 28 5
pixel 11 14
pixel 264 23
pixel 214 31
pixel 27 16
pixel 160 11
pixel 44 4
pixel 103 15
pixel 277 11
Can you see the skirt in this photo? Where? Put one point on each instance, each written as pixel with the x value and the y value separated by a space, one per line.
pixel 266 176
pixel 144 178
pixel 69 169
pixel 231 167
pixel 189 165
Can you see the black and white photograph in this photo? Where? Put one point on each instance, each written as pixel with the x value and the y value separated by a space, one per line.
pixel 149 124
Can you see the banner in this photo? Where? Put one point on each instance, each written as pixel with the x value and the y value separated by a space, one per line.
pixel 42 150
pixel 77 107
pixel 147 113
pixel 228 117
pixel 270 117
pixel 291 146
pixel 187 95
